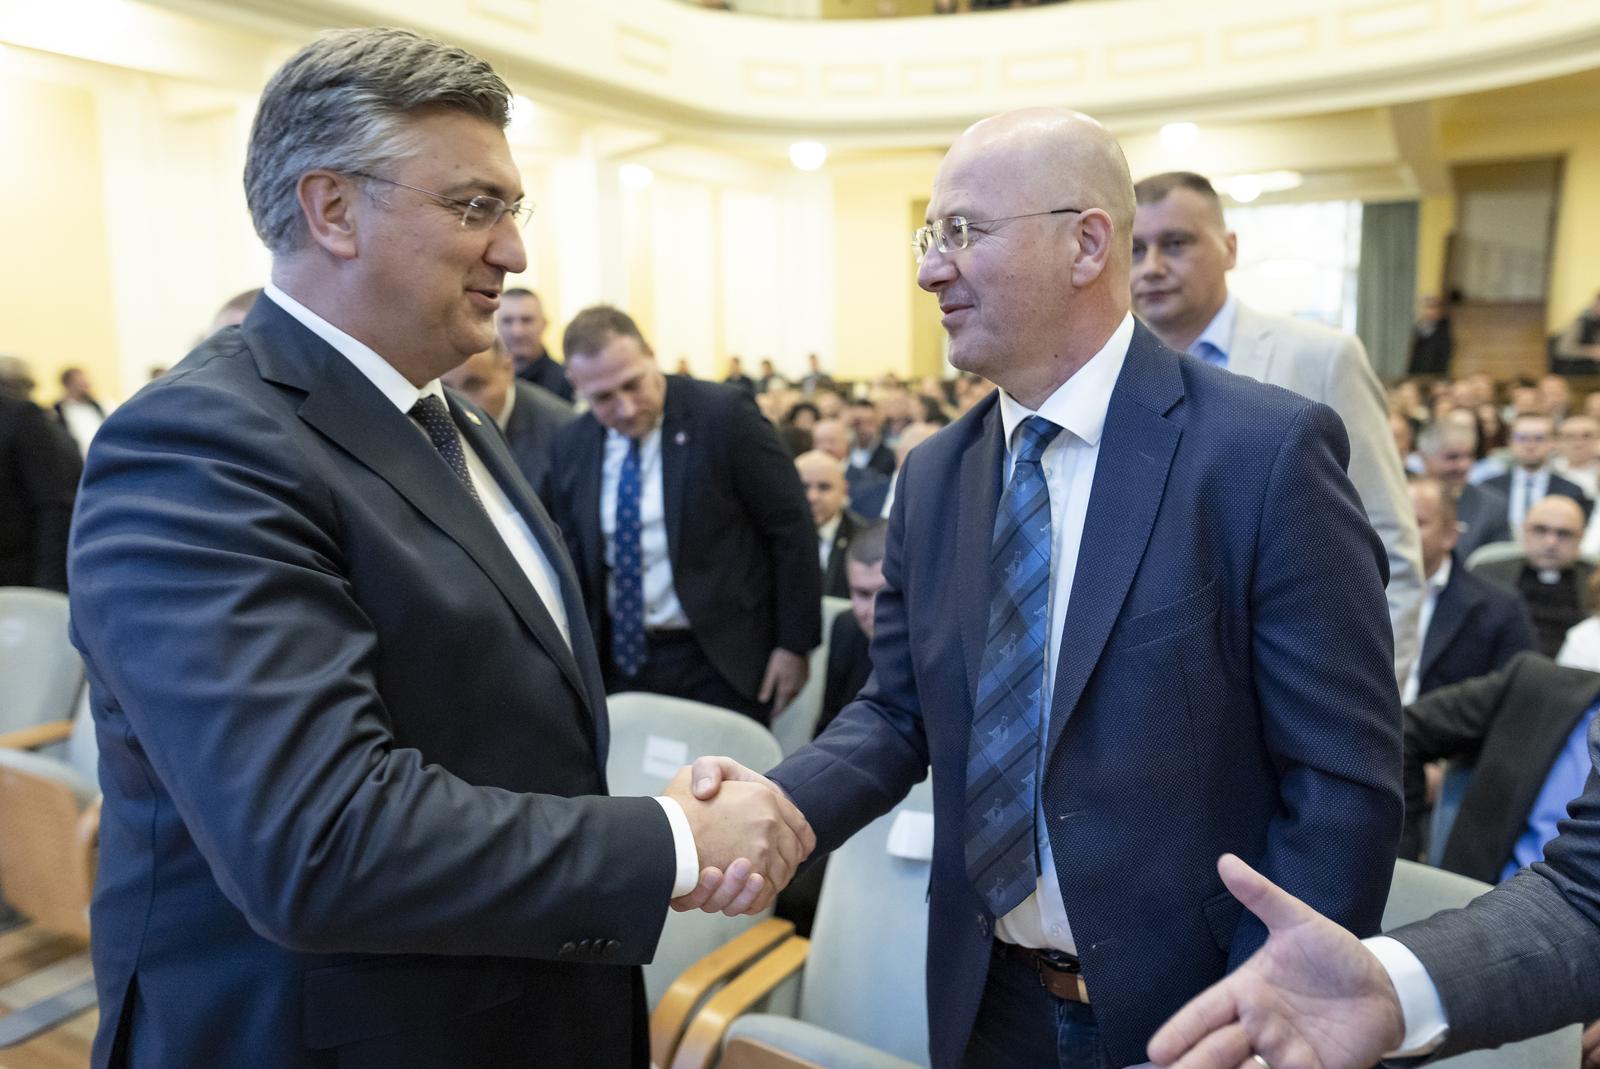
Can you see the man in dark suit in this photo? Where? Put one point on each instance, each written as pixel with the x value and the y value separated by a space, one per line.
pixel 1553 581
pixel 528 415
pixel 521 323
pixel 1523 729
pixel 823 478
pixel 867 448
pixel 39 469
pixel 1447 451
pixel 1432 343
pixel 1468 626
pixel 1125 587
pixel 1533 477
pixel 849 642
pixel 351 724
pixel 689 528
pixel 79 414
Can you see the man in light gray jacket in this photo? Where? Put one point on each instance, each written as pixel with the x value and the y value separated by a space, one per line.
pixel 1182 252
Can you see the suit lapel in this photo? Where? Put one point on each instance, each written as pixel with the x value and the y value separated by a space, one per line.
pixel 578 662
pixel 677 432
pixel 589 461
pixel 1450 614
pixel 980 476
pixel 1250 352
pixel 1130 477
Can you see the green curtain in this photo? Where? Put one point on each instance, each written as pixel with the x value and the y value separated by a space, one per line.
pixel 1386 284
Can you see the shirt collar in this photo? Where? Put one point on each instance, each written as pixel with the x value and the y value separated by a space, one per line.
pixel 1079 404
pixel 1219 332
pixel 1441 578
pixel 373 367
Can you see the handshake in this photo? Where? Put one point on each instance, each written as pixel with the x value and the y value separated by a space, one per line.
pixel 750 837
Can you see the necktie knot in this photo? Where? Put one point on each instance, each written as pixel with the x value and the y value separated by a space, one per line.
pixel 1034 437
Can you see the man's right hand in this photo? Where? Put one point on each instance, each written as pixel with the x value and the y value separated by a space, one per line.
pixel 750 837
pixel 1311 998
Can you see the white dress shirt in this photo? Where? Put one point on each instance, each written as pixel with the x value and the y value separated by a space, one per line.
pixel 82 421
pixel 1078 407
pixel 825 536
pixel 513 529
pixel 1436 584
pixel 662 610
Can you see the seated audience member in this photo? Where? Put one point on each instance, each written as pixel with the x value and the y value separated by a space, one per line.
pixel 1526 400
pixel 1582 646
pixel 769 378
pixel 1524 729
pixel 1533 478
pixel 1431 341
pixel 1548 574
pixel 1468 625
pixel 1404 441
pixel 529 416
pixel 867 447
pixel 815 379
pixel 1557 397
pixel 737 378
pixel 910 438
pixel 795 428
pixel 521 324
pixel 868 487
pixel 1578 456
pixel 233 312
pixel 849 665
pixel 830 405
pixel 826 492
pixel 1581 340
pixel 79 414
pixel 39 471
pixel 690 532
pixel 1446 450
pixel 683 368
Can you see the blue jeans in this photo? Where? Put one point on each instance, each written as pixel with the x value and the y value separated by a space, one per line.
pixel 1020 1025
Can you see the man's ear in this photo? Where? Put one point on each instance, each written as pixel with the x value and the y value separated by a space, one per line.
pixel 1232 241
pixel 328 204
pixel 1095 233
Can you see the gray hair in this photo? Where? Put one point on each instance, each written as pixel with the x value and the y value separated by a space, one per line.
pixel 1435 436
pixel 342 103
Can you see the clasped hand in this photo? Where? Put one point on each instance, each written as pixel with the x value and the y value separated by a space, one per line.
pixel 750 837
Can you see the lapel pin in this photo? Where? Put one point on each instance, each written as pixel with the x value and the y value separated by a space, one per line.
pixel 476 422
pixel 681 438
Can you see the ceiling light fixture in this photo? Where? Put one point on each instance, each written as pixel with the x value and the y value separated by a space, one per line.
pixel 1179 136
pixel 808 155
pixel 636 175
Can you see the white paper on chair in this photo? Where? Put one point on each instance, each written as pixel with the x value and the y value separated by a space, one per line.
pixel 911 836
pixel 663 757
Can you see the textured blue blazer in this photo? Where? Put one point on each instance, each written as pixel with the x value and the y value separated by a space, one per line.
pixel 1225 683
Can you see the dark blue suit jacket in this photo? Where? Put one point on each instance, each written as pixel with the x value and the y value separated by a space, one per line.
pixel 350 765
pixel 1226 683
pixel 1477 627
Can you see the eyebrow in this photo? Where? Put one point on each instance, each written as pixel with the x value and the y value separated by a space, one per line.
pixel 474 186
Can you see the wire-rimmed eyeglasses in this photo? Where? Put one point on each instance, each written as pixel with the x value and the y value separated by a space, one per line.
pixel 479 213
pixel 950 233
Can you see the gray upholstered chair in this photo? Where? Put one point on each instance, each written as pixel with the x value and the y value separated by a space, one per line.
pixel 43 674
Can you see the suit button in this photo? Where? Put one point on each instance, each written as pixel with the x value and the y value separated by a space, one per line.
pixel 585 944
pixel 567 948
pixel 611 947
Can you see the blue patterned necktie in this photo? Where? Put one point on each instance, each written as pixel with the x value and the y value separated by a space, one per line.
pixel 627 571
pixel 1003 755
pixel 431 413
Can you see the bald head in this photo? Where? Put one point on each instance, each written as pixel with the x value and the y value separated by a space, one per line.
pixel 1035 280
pixel 1552 532
pixel 822 475
pixel 830 436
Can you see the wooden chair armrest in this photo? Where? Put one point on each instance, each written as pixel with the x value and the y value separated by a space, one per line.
pixel 678 1003
pixel 704 1037
pixel 37 735
pixel 746 1053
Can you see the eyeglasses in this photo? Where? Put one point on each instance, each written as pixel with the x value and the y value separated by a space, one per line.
pixel 950 234
pixel 479 213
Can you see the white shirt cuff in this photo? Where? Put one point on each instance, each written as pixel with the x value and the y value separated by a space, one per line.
pixel 1420 1009
pixel 683 842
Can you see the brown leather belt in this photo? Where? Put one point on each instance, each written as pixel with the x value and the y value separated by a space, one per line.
pixel 1059 973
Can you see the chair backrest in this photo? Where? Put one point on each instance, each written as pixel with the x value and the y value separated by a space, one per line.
pixel 652 736
pixel 1454 787
pixel 799 722
pixel 1491 552
pixel 46 852
pixel 1419 891
pixel 43 673
pixel 865 973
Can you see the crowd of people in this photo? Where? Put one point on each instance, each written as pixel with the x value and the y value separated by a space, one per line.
pixel 1150 552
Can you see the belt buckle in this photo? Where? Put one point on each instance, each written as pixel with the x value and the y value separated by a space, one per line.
pixel 1065 978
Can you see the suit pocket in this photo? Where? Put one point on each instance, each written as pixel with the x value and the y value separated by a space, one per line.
pixel 1222 917
pixel 1173 618
pixel 367 999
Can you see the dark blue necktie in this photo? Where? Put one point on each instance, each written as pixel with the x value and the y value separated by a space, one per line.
pixel 627 571
pixel 1003 755
pixel 435 419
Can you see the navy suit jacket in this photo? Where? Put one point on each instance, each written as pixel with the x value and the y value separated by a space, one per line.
pixel 1228 685
pixel 1501 484
pixel 1477 627
pixel 740 536
pixel 351 768
pixel 537 416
